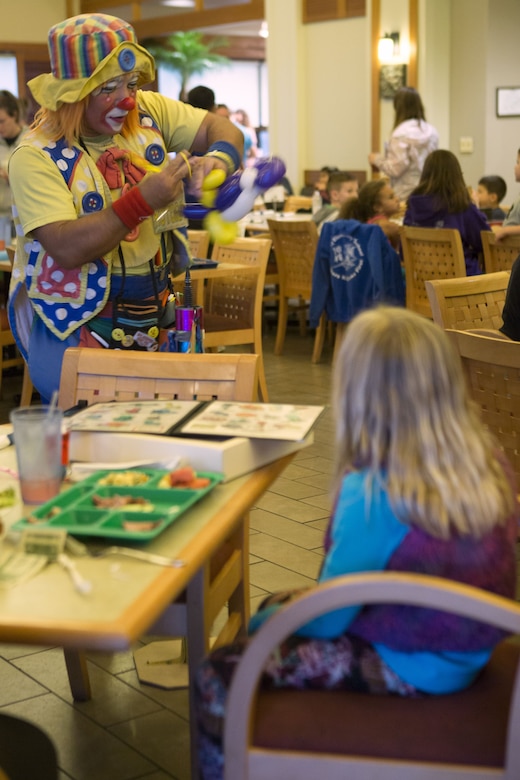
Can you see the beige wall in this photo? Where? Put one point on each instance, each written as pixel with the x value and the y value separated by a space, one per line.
pixel 28 21
pixel 319 79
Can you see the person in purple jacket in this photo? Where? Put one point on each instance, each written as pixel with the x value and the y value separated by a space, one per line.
pixel 419 487
pixel 442 199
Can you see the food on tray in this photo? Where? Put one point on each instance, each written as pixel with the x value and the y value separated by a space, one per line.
pixel 184 477
pixel 137 503
pixel 7 497
pixel 140 526
pixel 124 478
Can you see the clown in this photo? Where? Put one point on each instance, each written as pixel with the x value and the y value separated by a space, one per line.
pixel 98 203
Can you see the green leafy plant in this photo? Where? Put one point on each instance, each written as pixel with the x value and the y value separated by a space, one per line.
pixel 187 54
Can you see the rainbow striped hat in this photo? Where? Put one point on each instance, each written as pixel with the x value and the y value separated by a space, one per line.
pixel 85 52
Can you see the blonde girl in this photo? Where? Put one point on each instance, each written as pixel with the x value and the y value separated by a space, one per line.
pixel 418 488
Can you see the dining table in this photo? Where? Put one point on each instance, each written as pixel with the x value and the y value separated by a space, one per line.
pixel 126 597
pixel 256 221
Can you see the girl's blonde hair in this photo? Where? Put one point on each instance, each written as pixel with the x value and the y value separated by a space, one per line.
pixel 402 412
pixel 69 122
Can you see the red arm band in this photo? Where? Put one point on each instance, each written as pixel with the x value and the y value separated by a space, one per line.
pixel 131 208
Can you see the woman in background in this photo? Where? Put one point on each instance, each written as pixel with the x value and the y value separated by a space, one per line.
pixel 411 142
pixel 12 130
pixel 442 200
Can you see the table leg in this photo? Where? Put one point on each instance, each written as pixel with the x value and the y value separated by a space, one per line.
pixel 76 663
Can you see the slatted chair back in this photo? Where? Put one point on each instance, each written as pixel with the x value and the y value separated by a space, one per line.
pixel 199 243
pixel 295 243
pixel 469 302
pixel 429 253
pixel 233 303
pixel 492 369
pixel 499 255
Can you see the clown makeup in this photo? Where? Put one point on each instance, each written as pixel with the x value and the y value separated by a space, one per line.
pixel 109 105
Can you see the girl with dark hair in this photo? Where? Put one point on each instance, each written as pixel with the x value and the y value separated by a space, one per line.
pixel 376 204
pixel 411 142
pixel 442 200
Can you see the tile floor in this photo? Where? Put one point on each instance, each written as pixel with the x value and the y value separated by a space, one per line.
pixel 130 731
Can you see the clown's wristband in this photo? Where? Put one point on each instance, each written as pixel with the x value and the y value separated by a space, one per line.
pixel 226 152
pixel 131 208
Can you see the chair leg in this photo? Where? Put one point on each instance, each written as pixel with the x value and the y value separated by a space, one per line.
pixel 302 316
pixel 283 311
pixel 262 383
pixel 319 338
pixel 77 670
pixel 341 327
pixel 27 388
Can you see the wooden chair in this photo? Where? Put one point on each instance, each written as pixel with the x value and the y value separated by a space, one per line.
pixel 294 245
pixel 199 243
pixel 295 202
pixel 429 253
pixel 469 302
pixel 499 255
pixel 492 369
pixel 97 375
pixel 6 340
pixel 330 735
pixel 233 303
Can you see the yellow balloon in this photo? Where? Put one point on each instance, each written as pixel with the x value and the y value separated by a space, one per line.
pixel 221 232
pixel 208 198
pixel 214 179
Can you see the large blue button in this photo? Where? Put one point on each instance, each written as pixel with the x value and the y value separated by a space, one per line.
pixel 92 201
pixel 126 59
pixel 155 154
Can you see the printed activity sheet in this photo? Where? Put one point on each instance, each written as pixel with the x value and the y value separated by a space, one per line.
pixel 254 420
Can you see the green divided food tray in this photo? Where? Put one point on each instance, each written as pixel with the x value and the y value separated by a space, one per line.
pixel 87 508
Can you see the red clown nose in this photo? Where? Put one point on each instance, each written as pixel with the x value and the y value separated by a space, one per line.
pixel 127 104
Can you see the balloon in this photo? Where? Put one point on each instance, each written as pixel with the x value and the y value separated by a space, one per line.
pixel 235 197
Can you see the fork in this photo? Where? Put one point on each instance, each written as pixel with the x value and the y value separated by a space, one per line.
pixel 76 547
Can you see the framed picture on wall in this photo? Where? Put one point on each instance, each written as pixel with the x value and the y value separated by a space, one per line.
pixel 391 78
pixel 508 101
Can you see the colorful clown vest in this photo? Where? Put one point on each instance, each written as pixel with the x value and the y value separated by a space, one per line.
pixel 66 299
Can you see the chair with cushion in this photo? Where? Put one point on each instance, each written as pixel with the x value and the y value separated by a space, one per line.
pixel 499 255
pixel 470 302
pixel 331 735
pixel 294 243
pixel 429 253
pixel 97 375
pixel 233 303
pixel 492 369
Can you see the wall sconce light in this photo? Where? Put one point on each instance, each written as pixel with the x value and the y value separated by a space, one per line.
pixel 264 30
pixel 388 47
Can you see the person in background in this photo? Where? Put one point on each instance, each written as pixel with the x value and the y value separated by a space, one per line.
pixel 376 204
pixel 320 184
pixel 241 119
pixel 411 142
pixel 98 201
pixel 442 200
pixel 513 215
pixel 402 502
pixel 12 131
pixel 223 110
pixel 341 187
pixel 202 97
pixel 491 190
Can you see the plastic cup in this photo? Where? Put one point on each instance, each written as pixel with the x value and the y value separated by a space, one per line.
pixel 38 441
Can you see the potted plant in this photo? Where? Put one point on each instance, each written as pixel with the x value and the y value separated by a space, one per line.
pixel 188 54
